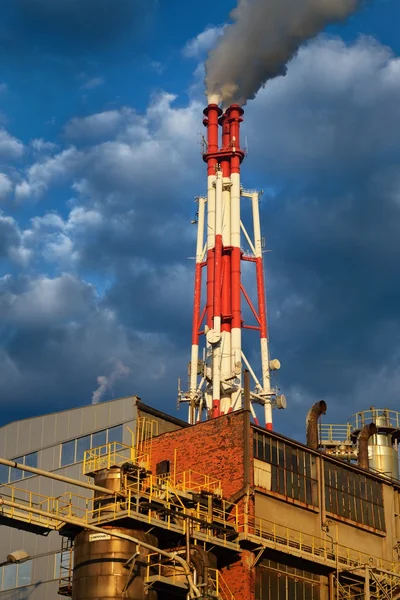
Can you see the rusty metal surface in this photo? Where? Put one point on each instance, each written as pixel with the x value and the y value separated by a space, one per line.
pixel 99 567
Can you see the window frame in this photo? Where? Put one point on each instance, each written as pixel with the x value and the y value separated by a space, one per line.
pixel 293 470
pixel 350 495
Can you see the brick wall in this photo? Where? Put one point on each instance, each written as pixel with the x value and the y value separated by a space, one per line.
pixel 240 576
pixel 214 448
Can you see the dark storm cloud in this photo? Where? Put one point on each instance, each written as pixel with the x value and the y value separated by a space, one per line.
pixel 331 154
pixel 324 139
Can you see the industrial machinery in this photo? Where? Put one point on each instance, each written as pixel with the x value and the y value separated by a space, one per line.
pixel 343 440
pixel 217 356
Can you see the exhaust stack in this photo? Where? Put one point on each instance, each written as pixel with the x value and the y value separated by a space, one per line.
pixel 363 437
pixel 318 409
pixel 224 244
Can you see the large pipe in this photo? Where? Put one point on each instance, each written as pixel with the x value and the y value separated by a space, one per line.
pixel 318 409
pixel 35 471
pixel 363 437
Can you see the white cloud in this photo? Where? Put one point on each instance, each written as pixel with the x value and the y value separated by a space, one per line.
pixel 326 107
pixel 202 43
pixel 40 145
pixel 10 147
pixel 93 83
pixel 5 186
pixel 99 125
pixel 48 300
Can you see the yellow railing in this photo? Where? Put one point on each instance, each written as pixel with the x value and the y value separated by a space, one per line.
pixel 307 544
pixel 192 481
pixel 161 569
pixel 223 590
pixel 107 456
pixel 381 416
pixel 68 505
pixel 334 433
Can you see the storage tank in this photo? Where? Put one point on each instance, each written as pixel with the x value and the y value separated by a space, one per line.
pixel 382 454
pixel 99 566
pixel 99 571
pixel 382 447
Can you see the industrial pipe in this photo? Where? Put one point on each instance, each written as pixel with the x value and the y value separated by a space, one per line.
pixel 35 471
pixel 318 409
pixel 194 591
pixel 366 432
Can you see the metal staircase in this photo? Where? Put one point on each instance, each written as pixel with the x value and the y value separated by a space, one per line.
pixel 371 583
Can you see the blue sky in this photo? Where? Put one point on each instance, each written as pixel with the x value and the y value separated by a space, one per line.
pixel 100 115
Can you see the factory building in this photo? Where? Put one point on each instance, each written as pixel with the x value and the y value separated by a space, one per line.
pixel 55 443
pixel 258 515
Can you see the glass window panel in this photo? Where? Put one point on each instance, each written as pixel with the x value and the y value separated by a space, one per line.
pixel 31 460
pixel 260 448
pixel 82 444
pixel 4 475
pixel 115 434
pixel 68 453
pixel 9 577
pixel 99 439
pixel 57 565
pixel 24 573
pixel 16 474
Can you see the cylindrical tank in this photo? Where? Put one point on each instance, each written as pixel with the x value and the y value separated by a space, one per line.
pixel 382 455
pixel 108 504
pixel 99 572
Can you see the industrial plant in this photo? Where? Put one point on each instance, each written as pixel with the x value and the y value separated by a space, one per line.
pixel 119 500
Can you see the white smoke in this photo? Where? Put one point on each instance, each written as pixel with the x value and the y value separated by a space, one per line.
pixel 264 36
pixel 106 383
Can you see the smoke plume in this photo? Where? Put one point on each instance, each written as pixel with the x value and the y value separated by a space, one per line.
pixel 106 383
pixel 264 36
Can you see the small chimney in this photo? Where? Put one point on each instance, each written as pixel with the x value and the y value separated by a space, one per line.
pixel 313 415
pixel 366 432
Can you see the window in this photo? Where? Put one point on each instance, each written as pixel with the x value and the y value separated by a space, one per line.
pixel 57 565
pixel 16 474
pixel 68 453
pixel 31 460
pixel 82 445
pixel 282 582
pixel 293 471
pixel 74 450
pixel 17 575
pixel 4 474
pixel 99 439
pixel 24 573
pixel 10 474
pixel 354 496
pixel 115 434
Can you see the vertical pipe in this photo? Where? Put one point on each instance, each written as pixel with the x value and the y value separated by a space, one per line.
pixel 197 308
pixel 262 310
pixel 234 114
pixel 212 113
pixel 226 309
pixel 216 349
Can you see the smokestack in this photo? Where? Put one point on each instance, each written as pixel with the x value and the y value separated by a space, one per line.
pixel 366 432
pixel 264 36
pixel 318 409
